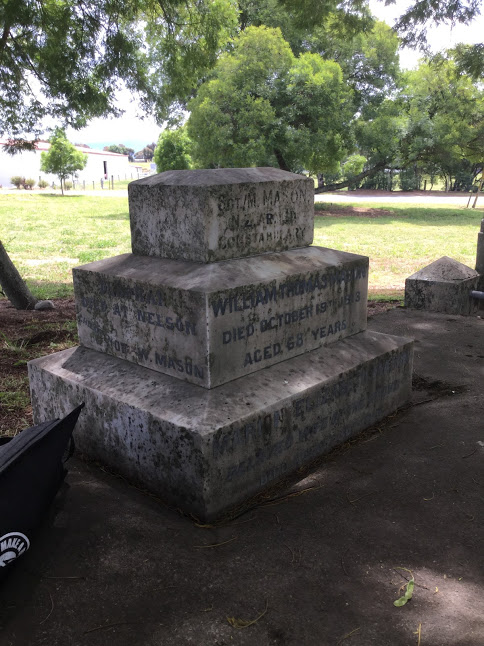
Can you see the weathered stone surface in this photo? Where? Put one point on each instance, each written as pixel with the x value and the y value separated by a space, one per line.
pixel 443 286
pixel 44 305
pixel 210 324
pixel 205 451
pixel 212 215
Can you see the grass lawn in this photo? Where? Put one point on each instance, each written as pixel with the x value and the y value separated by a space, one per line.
pixel 47 235
pixel 399 239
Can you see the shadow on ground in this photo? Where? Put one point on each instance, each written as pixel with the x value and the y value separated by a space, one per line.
pixel 320 563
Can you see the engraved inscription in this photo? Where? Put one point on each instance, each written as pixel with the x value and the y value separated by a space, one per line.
pixel 308 423
pixel 238 302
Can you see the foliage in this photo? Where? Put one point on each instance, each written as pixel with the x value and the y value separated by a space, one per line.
pixel 172 151
pixel 43 183
pixel 77 53
pixel 17 181
pixel 67 59
pixel 21 182
pixel 147 152
pixel 352 167
pixel 263 106
pixel 423 14
pixel 410 178
pixel 62 158
pixel 369 60
pixel 120 149
pixel 445 129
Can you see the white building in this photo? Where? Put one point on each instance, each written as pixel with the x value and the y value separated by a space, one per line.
pixel 100 165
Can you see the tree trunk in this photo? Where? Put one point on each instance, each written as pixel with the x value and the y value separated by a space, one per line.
pixel 280 160
pixel 356 178
pixel 13 285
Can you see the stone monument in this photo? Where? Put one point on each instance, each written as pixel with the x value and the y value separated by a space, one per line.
pixel 224 352
pixel 445 286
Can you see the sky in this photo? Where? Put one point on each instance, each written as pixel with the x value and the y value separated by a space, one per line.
pixel 135 133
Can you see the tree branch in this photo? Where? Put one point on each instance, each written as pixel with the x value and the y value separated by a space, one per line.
pixel 357 178
pixel 4 38
pixel 280 160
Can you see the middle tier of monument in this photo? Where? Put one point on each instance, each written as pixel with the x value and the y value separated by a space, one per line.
pixel 210 324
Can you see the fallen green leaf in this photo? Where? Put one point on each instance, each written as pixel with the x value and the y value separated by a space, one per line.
pixel 407 596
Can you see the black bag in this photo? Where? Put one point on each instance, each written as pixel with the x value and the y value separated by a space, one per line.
pixel 31 472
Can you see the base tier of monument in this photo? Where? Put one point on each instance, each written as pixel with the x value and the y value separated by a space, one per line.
pixel 205 451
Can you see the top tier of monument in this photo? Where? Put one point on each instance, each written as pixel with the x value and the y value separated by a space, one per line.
pixel 212 215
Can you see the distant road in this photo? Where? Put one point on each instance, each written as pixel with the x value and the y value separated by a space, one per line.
pixel 417 197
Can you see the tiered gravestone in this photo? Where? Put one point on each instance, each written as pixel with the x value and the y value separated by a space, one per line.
pixel 224 352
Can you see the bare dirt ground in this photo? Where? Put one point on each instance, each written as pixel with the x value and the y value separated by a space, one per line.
pixel 319 561
pixel 338 211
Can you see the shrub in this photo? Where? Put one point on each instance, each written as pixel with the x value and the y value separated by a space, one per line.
pixel 67 184
pixel 43 183
pixel 29 183
pixel 17 181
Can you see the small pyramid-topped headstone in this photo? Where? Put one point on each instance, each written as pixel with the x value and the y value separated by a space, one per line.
pixel 443 286
pixel 219 214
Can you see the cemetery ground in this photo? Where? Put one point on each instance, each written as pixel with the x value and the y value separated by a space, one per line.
pixel 317 560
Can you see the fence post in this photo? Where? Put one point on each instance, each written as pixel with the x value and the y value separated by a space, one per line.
pixel 112 182
pixel 479 188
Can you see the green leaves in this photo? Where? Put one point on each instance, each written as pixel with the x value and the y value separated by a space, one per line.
pixel 263 106
pixel 62 158
pixel 172 151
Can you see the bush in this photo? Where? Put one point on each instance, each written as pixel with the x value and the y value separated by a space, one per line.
pixel 29 183
pixel 17 181
pixel 43 183
pixel 409 179
pixel 67 185
pixel 379 181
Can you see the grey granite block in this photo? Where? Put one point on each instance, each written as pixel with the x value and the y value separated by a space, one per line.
pixel 443 286
pixel 210 324
pixel 212 215
pixel 208 450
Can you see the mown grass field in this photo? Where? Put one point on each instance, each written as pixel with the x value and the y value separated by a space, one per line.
pixel 399 239
pixel 47 235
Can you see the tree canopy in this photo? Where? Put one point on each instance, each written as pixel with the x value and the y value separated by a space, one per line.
pixel 266 107
pixel 120 149
pixel 172 151
pixel 66 60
